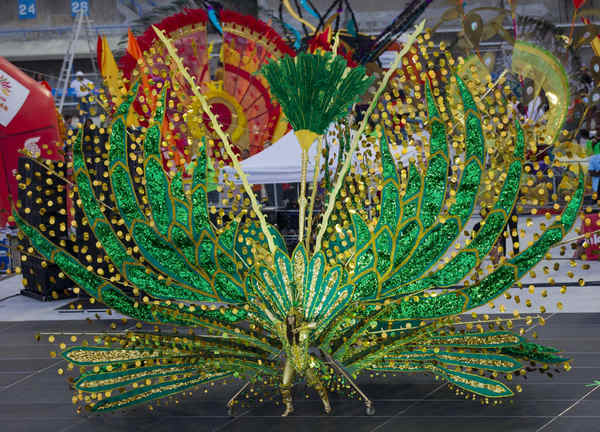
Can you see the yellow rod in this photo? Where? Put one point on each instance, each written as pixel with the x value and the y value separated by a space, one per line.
pixel 313 196
pixel 222 136
pixel 336 43
pixel 302 199
pixel 359 133
pixel 297 17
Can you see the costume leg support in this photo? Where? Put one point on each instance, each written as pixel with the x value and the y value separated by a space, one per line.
pixel 316 383
pixel 369 408
pixel 231 402
pixel 286 388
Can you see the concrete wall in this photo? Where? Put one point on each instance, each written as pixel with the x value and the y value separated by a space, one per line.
pixel 57 13
pixel 374 15
pixel 47 36
pixel 104 12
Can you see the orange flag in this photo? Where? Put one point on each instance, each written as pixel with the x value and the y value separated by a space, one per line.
pixel 134 50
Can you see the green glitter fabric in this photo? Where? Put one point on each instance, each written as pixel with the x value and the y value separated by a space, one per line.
pixel 363 298
pixel 469 256
pixel 313 89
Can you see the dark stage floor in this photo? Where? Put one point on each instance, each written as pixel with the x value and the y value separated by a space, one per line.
pixel 33 397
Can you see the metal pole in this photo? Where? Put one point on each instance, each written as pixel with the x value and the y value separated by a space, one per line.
pixel 331 360
pixel 235 396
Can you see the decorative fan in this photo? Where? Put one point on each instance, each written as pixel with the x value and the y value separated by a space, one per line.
pixel 237 95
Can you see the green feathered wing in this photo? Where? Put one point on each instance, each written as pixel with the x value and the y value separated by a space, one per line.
pixel 393 262
pixel 177 270
pixel 170 265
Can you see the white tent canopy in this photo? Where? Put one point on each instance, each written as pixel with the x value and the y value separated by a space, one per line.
pixel 278 163
pixel 281 162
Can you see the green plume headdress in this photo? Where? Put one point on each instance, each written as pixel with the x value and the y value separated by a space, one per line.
pixel 314 90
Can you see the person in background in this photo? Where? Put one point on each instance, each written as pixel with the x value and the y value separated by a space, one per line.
pixel 82 87
pixel 68 119
pixel 594 167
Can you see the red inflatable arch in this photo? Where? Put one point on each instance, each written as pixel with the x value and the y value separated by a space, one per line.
pixel 27 119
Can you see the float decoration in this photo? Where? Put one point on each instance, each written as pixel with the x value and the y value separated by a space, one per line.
pixel 360 296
